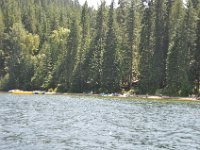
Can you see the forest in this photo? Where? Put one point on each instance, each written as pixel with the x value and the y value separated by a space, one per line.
pixel 146 47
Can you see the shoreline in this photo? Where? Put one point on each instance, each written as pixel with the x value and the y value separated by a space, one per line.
pixel 138 97
pixel 128 97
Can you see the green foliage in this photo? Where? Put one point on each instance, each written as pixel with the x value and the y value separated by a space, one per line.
pixel 97 48
pixel 194 71
pixel 179 56
pixel 57 44
pixel 158 60
pixel 4 86
pixel 19 64
pixel 145 52
pixel 173 83
pixel 81 69
pixel 127 39
pixel 110 72
pixel 2 53
pixel 66 67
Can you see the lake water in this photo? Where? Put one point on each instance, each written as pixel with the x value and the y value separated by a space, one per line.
pixel 41 122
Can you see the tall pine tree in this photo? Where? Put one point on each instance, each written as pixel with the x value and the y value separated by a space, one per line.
pixel 176 73
pixel 158 62
pixel 81 70
pixel 197 59
pixel 97 48
pixel 145 51
pixel 2 53
pixel 67 66
pixel 197 53
pixel 128 52
pixel 110 71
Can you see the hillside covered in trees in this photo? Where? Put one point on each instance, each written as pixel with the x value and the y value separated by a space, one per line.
pixel 150 46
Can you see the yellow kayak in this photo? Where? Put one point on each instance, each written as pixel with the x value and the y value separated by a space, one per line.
pixel 29 92
pixel 20 92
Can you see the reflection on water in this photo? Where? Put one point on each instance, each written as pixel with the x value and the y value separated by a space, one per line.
pixel 30 122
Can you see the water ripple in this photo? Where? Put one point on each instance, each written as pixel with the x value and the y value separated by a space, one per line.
pixel 72 122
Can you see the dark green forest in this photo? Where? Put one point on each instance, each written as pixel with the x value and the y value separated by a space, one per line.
pixel 147 47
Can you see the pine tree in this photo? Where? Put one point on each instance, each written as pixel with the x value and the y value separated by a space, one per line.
pixel 197 59
pixel 2 53
pixel 37 51
pixel 19 62
pixel 29 18
pixel 121 18
pixel 122 38
pixel 97 48
pixel 81 70
pixel 130 50
pixel 177 15
pixel 57 46
pixel 67 66
pixel 158 62
pixel 145 51
pixel 189 37
pixel 166 36
pixel 178 60
pixel 12 13
pixel 21 49
pixel 173 84
pixel 110 71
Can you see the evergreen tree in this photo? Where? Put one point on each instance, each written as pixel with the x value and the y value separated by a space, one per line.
pixel 81 70
pixel 29 18
pixel 196 62
pixel 110 71
pixel 177 15
pixel 42 68
pixel 2 53
pixel 173 84
pixel 67 66
pixel 145 51
pixel 19 63
pixel 97 48
pixel 189 37
pixel 129 52
pixel 12 13
pixel 122 38
pixel 37 51
pixel 57 46
pixel 178 60
pixel 158 62
pixel 166 37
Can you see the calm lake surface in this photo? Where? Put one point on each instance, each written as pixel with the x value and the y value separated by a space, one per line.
pixel 41 122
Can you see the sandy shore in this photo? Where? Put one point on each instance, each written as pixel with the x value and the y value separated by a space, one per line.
pixel 133 97
pixel 137 97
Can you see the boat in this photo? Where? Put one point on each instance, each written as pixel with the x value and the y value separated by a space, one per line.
pixel 20 92
pixel 39 92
